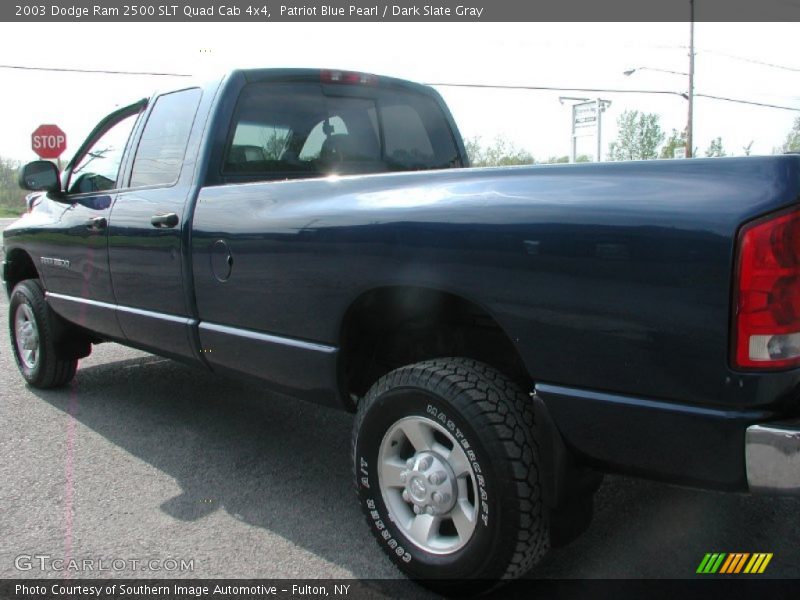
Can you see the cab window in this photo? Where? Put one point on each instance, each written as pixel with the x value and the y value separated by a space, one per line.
pixel 295 130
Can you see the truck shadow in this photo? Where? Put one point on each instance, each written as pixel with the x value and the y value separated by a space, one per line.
pixel 284 465
pixel 269 461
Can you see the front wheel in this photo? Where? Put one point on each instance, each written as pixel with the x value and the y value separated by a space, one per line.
pixel 446 464
pixel 33 329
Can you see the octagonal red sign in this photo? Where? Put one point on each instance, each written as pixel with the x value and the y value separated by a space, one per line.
pixel 48 141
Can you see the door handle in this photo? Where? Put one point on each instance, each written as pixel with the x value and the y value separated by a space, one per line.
pixel 164 220
pixel 96 223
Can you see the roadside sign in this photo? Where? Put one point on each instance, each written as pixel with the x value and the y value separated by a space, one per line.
pixel 587 120
pixel 48 141
pixel 679 152
pixel 585 114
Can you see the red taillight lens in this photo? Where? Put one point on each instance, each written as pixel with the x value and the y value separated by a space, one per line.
pixel 767 332
pixel 347 77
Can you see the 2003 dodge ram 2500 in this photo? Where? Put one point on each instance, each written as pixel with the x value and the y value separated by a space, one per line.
pixel 504 335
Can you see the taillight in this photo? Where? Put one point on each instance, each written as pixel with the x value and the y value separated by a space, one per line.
pixel 347 77
pixel 767 299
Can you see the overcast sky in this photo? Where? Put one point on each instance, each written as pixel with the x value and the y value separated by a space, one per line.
pixel 567 55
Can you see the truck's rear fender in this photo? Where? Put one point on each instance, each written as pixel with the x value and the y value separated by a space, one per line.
pixel 393 326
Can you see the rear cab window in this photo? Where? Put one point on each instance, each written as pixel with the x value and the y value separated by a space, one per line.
pixel 159 156
pixel 304 129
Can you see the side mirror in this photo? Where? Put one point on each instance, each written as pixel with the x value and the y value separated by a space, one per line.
pixel 40 176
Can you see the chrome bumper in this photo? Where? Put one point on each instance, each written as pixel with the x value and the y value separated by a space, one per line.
pixel 772 455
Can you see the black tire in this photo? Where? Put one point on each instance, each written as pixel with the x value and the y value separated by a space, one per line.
pixel 49 370
pixel 493 417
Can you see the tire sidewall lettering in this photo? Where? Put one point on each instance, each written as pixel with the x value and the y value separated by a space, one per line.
pixel 483 496
pixel 386 411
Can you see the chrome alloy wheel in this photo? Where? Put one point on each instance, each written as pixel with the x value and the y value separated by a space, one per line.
pixel 428 485
pixel 27 334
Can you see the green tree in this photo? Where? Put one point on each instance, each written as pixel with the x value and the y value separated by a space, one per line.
pixel 638 137
pixel 12 197
pixel 500 152
pixel 273 143
pixel 792 143
pixel 581 158
pixel 675 140
pixel 715 148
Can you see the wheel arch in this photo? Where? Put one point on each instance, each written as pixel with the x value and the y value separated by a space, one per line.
pixel 390 326
pixel 18 266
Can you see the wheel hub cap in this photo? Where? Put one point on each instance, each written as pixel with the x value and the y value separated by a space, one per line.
pixel 428 485
pixel 27 335
pixel 431 484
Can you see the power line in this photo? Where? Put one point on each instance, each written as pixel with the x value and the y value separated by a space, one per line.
pixel 738 101
pixel 466 85
pixel 557 89
pixel 612 91
pixel 752 60
pixel 65 70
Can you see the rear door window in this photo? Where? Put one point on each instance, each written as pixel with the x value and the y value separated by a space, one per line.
pixel 159 156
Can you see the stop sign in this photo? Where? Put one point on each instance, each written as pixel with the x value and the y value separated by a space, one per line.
pixel 48 141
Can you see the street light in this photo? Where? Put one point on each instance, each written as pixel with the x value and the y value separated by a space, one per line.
pixel 690 94
pixel 687 95
pixel 630 72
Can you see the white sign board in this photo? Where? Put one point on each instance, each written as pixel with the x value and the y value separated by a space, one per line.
pixel 584 115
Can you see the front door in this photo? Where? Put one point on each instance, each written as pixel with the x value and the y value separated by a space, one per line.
pixel 74 262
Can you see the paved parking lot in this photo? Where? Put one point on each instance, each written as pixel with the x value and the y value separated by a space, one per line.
pixel 144 458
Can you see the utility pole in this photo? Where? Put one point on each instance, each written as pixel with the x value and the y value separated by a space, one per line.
pixel 599 109
pixel 690 118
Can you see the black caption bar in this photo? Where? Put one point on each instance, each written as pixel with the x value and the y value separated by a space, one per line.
pixel 398 10
pixel 354 589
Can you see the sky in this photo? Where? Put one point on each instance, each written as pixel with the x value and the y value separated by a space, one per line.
pixel 729 61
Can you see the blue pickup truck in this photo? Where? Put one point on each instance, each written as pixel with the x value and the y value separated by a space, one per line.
pixel 504 336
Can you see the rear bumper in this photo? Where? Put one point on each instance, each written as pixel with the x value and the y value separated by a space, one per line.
pixel 772 455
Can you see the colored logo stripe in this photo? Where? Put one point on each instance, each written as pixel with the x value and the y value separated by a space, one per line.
pixel 758 563
pixel 733 563
pixel 711 563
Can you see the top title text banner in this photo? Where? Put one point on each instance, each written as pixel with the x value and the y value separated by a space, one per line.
pixel 398 10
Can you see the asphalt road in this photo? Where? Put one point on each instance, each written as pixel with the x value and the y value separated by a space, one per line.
pixel 144 458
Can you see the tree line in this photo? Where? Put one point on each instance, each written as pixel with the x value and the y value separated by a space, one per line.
pixel 639 137
pixel 12 198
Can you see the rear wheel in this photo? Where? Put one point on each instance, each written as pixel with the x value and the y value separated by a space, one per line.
pixel 34 334
pixel 447 470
